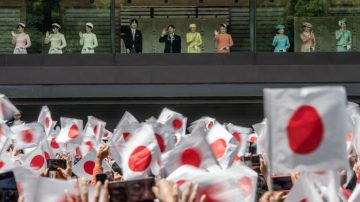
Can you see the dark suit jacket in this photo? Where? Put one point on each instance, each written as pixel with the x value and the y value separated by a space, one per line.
pixel 175 44
pixel 130 43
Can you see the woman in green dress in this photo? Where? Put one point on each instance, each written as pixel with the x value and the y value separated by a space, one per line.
pixel 56 39
pixel 343 37
pixel 88 40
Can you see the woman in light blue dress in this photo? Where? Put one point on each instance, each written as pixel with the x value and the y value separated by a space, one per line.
pixel 281 41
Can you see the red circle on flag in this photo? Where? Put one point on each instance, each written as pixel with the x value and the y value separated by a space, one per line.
pixel 245 184
pixel 305 130
pixel 95 129
pixel 210 124
pixel 218 147
pixel 237 136
pixel 237 158
pixel 211 192
pixel 2 164
pixel 27 136
pixel 19 187
pixel 126 136
pixel 47 155
pixel 160 142
pixel 90 145
pixel 37 162
pixel 89 167
pixel 177 123
pixel 253 139
pixel 47 122
pixel 304 200
pixel 180 182
pixel 73 131
pixel 191 156
pixel 140 159
pixel 54 144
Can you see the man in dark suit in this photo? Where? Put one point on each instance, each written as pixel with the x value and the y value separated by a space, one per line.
pixel 171 40
pixel 133 38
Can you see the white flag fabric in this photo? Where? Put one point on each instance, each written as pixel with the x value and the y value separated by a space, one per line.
pixel 5 135
pixel 5 161
pixel 185 174
pixel 27 135
pixel 193 150
pixel 306 125
pixel 355 196
pixel 45 120
pixel 224 146
pixel 94 129
pixel 71 129
pixel 7 109
pixel 205 123
pixel 125 128
pixel 85 167
pixel 163 135
pixel 303 191
pixel 36 160
pixel 140 153
pixel 174 120
pixel 262 130
pixel 240 134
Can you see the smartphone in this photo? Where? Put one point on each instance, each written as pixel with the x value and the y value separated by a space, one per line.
pixel 132 190
pixel 101 177
pixel 8 189
pixel 282 183
pixel 54 164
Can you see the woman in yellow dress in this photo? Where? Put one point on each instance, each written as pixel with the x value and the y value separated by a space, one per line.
pixel 194 40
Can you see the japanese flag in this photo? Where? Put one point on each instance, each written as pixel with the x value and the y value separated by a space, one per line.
pixel 262 130
pixel 223 145
pixel 5 134
pixel 245 179
pixel 205 122
pixel 53 146
pixel 193 150
pixel 240 134
pixel 140 153
pixel 303 191
pixel 174 120
pixel 45 120
pixel 125 128
pixel 305 126
pixel 70 130
pixel 5 161
pixel 7 109
pixel 163 135
pixel 95 129
pixel 53 190
pixel 27 135
pixel 185 174
pixel 36 160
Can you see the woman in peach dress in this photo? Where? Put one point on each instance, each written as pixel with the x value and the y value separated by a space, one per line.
pixel 223 40
pixel 21 40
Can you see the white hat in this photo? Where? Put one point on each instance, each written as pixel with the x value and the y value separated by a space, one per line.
pixel 89 24
pixel 56 25
pixel 22 24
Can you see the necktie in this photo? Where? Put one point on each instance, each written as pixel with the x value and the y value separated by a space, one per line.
pixel 133 34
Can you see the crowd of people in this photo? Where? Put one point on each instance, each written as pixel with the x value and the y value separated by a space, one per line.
pixel 133 39
pixel 166 159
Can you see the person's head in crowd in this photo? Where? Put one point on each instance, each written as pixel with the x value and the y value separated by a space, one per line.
pixel 17 116
pixel 171 29
pixel 192 28
pixel 307 26
pixel 89 27
pixel 223 28
pixel 56 27
pixel 21 27
pixel 342 23
pixel 134 23
pixel 280 29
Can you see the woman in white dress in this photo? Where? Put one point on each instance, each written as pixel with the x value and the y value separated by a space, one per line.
pixel 56 39
pixel 88 40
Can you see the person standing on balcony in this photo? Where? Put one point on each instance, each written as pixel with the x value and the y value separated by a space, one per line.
pixel 88 40
pixel 56 39
pixel 133 38
pixel 194 40
pixel 21 40
pixel 171 40
pixel 343 37
pixel 281 41
pixel 308 38
pixel 223 40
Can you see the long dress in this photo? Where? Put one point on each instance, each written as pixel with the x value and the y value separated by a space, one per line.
pixel 222 41
pixel 343 39
pixel 194 41
pixel 22 42
pixel 280 43
pixel 57 43
pixel 89 42
pixel 308 41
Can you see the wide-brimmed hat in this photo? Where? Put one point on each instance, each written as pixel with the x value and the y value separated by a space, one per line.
pixel 342 21
pixel 192 25
pixel 89 24
pixel 22 24
pixel 280 26
pixel 56 25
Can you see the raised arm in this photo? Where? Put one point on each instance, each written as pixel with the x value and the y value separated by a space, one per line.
pixel 47 38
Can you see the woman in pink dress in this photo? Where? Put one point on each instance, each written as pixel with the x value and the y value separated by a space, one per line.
pixel 223 40
pixel 21 40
